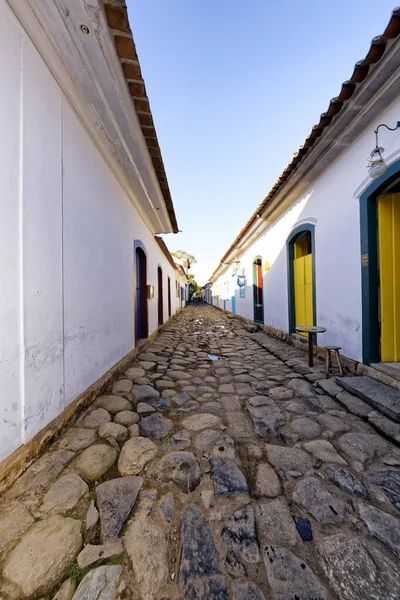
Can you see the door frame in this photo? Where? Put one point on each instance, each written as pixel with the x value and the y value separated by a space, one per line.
pixel 255 288
pixel 160 296
pixel 139 246
pixel 294 234
pixel 369 264
pixel 169 295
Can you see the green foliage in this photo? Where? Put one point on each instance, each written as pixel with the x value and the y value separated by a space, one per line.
pixel 118 559
pixel 75 573
pixel 194 287
pixel 184 256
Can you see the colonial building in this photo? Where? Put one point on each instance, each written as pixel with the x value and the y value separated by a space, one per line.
pixel 83 278
pixel 323 247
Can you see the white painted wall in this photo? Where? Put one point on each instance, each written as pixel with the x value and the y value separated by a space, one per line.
pixel 332 203
pixel 67 233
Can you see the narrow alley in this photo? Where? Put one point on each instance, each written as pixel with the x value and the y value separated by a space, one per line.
pixel 218 466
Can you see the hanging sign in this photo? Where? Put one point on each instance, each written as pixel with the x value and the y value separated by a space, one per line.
pixel 241 280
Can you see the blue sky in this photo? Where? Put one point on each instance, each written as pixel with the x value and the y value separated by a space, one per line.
pixel 235 87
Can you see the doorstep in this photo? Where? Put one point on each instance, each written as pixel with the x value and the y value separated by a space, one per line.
pixel 380 396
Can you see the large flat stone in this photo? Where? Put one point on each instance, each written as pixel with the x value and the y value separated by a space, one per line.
pixel 15 519
pixel 94 418
pixel 92 518
pixel 389 481
pixel 113 404
pixel 95 461
pixel 267 482
pixel 115 500
pixel 318 501
pixel 324 450
pixel 99 584
pixel 66 590
pixel 199 422
pixel 389 428
pixel 182 469
pixel 228 478
pixel 354 405
pixel 78 438
pixel 64 494
pixel 333 423
pixel 207 438
pixel 94 556
pixel 135 455
pixel 240 534
pixel 134 373
pixel 330 387
pixel 122 387
pixel 301 388
pixel 290 578
pixel 239 426
pixel 305 427
pixel 113 430
pixel 42 473
pixel 147 549
pixel 145 393
pixel 155 427
pixel 383 526
pixel 347 481
pixel 362 447
pixel 357 570
pixel 206 589
pixel 275 524
pixel 289 459
pixel 199 557
pixel 41 558
pixel 234 566
pixel 383 398
pixel 247 591
pixel 266 416
pixel 167 507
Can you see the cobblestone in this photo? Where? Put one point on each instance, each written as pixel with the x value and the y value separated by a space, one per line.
pixel 228 488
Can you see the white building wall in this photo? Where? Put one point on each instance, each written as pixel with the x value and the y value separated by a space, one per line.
pixel 67 233
pixel 332 204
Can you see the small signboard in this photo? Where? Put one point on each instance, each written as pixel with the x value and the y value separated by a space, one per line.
pixel 364 260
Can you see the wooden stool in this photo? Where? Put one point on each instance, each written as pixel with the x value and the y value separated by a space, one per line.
pixel 335 350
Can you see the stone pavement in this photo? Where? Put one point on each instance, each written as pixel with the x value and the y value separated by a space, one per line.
pixel 238 476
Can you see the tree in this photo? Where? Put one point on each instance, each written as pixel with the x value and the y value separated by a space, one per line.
pixel 193 285
pixel 185 256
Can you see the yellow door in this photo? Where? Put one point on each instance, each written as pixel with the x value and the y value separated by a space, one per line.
pixel 303 285
pixel 389 266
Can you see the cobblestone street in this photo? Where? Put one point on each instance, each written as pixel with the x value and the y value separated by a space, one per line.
pixel 219 465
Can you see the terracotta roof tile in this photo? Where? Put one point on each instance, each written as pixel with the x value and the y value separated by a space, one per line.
pixel 165 251
pixel 118 21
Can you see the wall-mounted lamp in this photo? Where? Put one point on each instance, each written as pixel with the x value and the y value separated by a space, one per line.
pixel 376 163
pixel 236 265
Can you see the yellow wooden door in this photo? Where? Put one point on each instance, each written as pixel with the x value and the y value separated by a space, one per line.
pixel 303 285
pixel 389 266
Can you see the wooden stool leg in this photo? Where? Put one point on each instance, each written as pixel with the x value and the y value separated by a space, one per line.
pixel 310 350
pixel 339 362
pixel 327 362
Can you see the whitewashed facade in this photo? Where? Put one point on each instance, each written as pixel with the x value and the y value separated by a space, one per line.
pixel 78 191
pixel 324 192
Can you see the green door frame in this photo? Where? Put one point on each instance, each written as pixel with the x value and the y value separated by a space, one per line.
pixel 290 257
pixel 258 318
pixel 369 264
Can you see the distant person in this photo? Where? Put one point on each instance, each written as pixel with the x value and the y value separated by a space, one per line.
pixel 194 297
